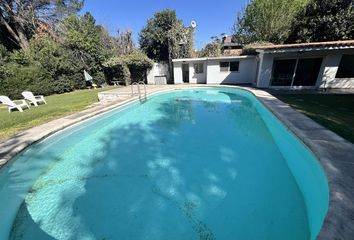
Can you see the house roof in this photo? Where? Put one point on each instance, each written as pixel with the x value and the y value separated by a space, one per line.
pixel 232 45
pixel 211 58
pixel 306 46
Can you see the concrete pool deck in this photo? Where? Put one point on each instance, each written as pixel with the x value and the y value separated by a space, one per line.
pixel 335 154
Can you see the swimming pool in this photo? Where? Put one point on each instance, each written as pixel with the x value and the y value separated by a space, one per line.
pixel 209 163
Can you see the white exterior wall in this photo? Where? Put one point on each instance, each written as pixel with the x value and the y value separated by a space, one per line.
pixel 258 71
pixel 246 73
pixel 265 70
pixel 326 75
pixel 341 83
pixel 158 69
pixel 177 73
pixel 328 70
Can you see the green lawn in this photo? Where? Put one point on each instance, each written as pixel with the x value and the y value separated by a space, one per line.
pixel 59 105
pixel 335 112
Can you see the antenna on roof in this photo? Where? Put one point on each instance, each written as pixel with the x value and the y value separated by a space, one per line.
pixel 187 31
pixel 193 24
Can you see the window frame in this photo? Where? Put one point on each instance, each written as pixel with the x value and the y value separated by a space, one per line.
pixel 292 84
pixel 238 66
pixel 224 68
pixel 228 67
pixel 198 68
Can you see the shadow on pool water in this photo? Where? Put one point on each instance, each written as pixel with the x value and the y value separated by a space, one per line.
pixel 190 173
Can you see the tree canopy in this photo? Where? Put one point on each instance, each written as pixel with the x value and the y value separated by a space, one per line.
pixel 212 49
pixel 323 20
pixel 124 43
pixel 128 68
pixel 54 63
pixel 165 37
pixel 19 19
pixel 293 21
pixel 266 20
pixel 153 38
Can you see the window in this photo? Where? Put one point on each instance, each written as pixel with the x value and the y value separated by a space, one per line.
pixel 283 72
pixel 346 67
pixel 224 66
pixel 229 66
pixel 307 71
pixel 198 68
pixel 234 66
pixel 296 72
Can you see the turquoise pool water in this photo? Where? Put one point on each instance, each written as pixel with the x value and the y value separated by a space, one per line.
pixel 206 164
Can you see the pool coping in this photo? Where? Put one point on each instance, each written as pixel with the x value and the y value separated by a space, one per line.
pixel 335 154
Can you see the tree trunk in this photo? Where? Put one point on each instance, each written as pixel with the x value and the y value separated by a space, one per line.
pixel 17 35
pixel 23 41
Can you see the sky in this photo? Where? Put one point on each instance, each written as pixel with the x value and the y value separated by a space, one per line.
pixel 212 17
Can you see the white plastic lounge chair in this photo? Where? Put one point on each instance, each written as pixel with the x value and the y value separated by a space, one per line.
pixel 35 100
pixel 16 104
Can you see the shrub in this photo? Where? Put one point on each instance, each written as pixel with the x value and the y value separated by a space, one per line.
pixel 60 63
pixel 115 69
pixel 18 78
pixel 138 64
pixel 3 54
pixel 54 63
pixel 81 37
pixel 129 68
pixel 250 49
pixel 99 77
pixel 63 84
pixel 44 68
pixel 211 50
pixel 44 58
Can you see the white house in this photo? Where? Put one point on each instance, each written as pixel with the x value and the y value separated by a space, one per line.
pixel 305 65
pixel 215 70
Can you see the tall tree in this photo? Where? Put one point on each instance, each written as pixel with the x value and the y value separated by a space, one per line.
pixel 20 18
pixel 266 20
pixel 324 20
pixel 124 42
pixel 180 41
pixel 164 37
pixel 153 38
pixel 212 49
pixel 108 41
pixel 82 37
pixel 121 44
